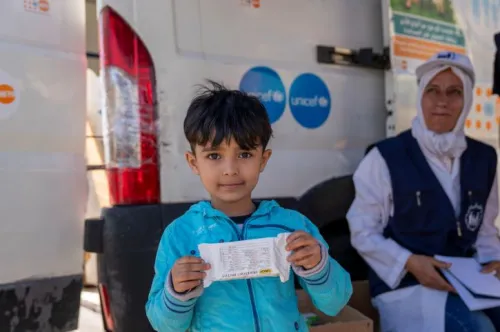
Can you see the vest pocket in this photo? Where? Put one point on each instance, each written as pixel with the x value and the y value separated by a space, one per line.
pixel 415 211
pixel 476 196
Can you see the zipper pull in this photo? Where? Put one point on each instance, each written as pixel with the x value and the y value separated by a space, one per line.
pixel 470 195
pixel 419 202
pixel 459 229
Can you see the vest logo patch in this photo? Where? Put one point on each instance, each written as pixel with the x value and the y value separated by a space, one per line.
pixel 473 217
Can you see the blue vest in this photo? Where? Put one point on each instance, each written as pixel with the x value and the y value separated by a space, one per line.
pixel 424 220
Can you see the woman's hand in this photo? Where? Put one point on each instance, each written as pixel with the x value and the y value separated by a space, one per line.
pixel 306 250
pixel 424 269
pixel 492 267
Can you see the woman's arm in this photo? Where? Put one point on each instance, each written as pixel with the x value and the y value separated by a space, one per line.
pixel 368 216
pixel 488 242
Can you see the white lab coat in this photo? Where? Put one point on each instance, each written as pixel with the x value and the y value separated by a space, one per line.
pixel 417 308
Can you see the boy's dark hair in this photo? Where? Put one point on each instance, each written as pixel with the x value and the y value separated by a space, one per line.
pixel 217 114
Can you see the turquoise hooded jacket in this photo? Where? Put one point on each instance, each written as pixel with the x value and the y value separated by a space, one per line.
pixel 259 304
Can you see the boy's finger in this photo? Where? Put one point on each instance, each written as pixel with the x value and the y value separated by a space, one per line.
pixel 302 259
pixel 189 260
pixel 190 276
pixel 308 262
pixel 295 235
pixel 194 267
pixel 188 285
pixel 300 242
pixel 300 254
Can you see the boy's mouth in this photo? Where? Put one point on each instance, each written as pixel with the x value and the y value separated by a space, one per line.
pixel 231 185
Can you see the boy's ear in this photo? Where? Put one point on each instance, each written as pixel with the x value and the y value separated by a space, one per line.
pixel 265 158
pixel 192 162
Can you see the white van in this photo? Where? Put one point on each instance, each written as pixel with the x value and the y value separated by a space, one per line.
pixel 335 77
pixel 42 163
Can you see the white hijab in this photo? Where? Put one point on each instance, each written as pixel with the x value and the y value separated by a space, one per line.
pixel 453 143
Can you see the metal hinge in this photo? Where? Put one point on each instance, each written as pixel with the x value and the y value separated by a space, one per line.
pixel 92 55
pixel 364 57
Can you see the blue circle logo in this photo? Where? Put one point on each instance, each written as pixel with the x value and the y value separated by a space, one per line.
pixel 265 84
pixel 309 101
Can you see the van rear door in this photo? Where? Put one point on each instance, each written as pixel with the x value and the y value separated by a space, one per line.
pixel 42 163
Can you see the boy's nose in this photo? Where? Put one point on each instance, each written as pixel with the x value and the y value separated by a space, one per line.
pixel 230 168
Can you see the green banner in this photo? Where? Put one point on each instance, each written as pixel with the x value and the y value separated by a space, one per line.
pixel 428 30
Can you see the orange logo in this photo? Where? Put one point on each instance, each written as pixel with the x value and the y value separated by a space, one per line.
pixel 44 6
pixel 256 3
pixel 7 95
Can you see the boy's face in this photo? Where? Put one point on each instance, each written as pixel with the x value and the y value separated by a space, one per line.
pixel 227 172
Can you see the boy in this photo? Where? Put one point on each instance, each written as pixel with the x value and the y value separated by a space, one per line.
pixel 228 132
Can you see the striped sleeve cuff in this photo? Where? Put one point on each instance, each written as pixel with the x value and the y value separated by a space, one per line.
pixel 318 274
pixel 177 302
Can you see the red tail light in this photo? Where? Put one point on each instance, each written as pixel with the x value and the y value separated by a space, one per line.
pixel 129 113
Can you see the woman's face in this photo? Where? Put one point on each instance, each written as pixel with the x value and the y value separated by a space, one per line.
pixel 442 102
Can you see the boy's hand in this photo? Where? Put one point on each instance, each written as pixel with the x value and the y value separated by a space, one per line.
pixel 306 250
pixel 188 273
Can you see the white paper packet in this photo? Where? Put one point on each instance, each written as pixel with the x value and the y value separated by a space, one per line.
pixel 266 257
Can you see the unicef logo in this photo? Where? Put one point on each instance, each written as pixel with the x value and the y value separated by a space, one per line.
pixel 268 97
pixel 265 84
pixel 309 98
pixel 309 101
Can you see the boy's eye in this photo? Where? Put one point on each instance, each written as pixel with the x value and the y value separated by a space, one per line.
pixel 245 155
pixel 213 156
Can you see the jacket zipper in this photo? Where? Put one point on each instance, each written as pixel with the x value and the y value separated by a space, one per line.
pixel 241 236
pixel 288 229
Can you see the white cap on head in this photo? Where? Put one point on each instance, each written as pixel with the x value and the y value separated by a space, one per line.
pixel 444 59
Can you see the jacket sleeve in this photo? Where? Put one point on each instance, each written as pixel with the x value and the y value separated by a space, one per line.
pixel 488 242
pixel 167 311
pixel 328 284
pixel 368 216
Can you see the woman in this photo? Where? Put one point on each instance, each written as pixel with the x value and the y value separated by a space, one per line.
pixel 428 191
